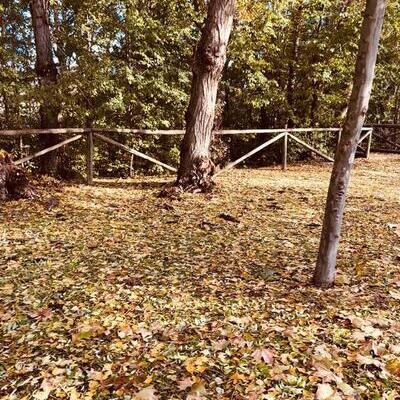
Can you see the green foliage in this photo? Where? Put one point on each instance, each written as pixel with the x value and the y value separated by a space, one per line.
pixel 127 63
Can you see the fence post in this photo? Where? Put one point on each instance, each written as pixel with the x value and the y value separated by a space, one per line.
pixel 89 158
pixel 368 151
pixel 21 145
pixel 339 136
pixel 284 151
pixel 131 167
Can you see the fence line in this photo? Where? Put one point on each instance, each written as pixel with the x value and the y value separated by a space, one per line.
pixel 90 133
pixel 133 151
pixel 387 138
pixel 48 150
pixel 64 131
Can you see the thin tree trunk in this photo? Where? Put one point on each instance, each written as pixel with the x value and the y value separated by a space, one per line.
pixel 395 114
pixel 314 105
pixel 60 50
pixel 6 110
pixel 324 275
pixel 196 168
pixel 47 74
pixel 295 35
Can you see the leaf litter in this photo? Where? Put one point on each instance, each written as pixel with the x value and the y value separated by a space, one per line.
pixel 102 296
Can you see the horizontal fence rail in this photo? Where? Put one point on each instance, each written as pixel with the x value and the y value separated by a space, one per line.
pixel 65 131
pixel 89 134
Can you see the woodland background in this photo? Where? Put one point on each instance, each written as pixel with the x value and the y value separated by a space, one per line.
pixel 128 64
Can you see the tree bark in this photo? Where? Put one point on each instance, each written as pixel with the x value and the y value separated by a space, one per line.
pixel 14 181
pixel 196 168
pixel 46 71
pixel 290 87
pixel 324 275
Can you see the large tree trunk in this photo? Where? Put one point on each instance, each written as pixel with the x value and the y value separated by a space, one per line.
pixel 196 168
pixel 47 74
pixel 325 271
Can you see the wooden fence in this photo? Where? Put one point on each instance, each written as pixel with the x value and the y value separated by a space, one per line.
pixel 386 138
pixel 89 134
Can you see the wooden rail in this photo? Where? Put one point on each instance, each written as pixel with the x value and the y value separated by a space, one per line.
pixel 48 150
pixel 386 138
pixel 134 152
pixel 57 131
pixel 64 131
pixel 90 133
pixel 250 153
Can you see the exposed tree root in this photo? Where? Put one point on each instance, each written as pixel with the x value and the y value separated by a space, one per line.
pixel 14 181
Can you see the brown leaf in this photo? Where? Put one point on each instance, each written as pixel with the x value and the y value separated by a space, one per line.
pixel 185 383
pixel 147 393
pixel 264 354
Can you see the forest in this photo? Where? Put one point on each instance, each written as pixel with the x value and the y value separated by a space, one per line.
pixel 199 200
pixel 128 64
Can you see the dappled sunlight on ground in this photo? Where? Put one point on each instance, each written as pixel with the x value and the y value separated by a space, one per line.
pixel 114 291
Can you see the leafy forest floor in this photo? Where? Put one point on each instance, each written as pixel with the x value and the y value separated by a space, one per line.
pixel 112 293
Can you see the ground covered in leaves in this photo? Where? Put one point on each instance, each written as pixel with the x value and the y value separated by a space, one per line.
pixel 109 292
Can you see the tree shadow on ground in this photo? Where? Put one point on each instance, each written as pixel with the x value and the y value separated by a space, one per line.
pixel 127 184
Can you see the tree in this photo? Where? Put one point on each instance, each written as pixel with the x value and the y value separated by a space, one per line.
pixel 196 168
pixel 46 71
pixel 324 275
pixel 14 181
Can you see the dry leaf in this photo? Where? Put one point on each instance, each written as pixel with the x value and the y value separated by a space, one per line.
pixel 395 294
pixel 393 366
pixel 185 383
pixel 147 393
pixel 346 389
pixel 264 354
pixel 324 391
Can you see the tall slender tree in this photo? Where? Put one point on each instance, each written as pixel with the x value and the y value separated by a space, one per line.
pixel 46 71
pixel 324 275
pixel 196 168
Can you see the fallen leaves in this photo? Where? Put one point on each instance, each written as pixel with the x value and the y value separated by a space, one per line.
pixel 395 294
pixel 324 391
pixel 87 331
pixel 185 383
pixel 197 364
pixel 265 355
pixel 393 366
pixel 114 301
pixel 148 393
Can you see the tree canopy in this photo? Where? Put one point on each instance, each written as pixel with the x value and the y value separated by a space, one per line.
pixel 127 63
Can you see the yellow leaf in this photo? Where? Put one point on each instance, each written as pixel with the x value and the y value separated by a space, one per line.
pixel 198 389
pixel 198 364
pixel 236 377
pixel 58 371
pixel 74 395
pixel 360 270
pixel 8 288
pixel 393 366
